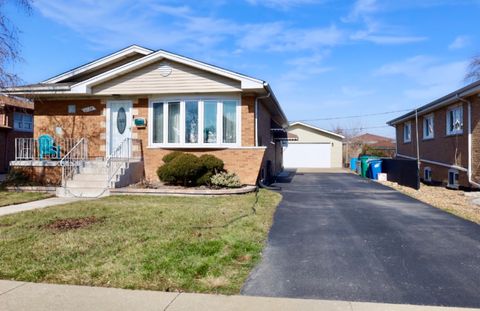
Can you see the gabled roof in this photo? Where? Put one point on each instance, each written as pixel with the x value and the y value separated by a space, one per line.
pixel 471 89
pixel 371 138
pixel 317 129
pixel 104 61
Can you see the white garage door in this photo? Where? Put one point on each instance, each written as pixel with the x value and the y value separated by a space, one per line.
pixel 307 155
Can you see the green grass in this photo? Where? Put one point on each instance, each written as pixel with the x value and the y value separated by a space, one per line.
pixel 9 198
pixel 141 242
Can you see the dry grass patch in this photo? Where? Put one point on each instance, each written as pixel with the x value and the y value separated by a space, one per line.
pixel 140 242
pixel 456 202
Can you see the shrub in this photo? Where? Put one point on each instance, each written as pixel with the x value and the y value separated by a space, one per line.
pixel 172 155
pixel 224 179
pixel 188 170
pixel 183 169
pixel 211 163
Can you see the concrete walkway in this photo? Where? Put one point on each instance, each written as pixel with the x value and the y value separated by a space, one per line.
pixel 20 296
pixel 17 208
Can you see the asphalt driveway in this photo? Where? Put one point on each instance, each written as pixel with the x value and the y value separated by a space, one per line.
pixel 338 236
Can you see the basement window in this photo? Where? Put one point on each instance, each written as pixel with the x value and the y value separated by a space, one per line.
pixel 452 178
pixel 427 174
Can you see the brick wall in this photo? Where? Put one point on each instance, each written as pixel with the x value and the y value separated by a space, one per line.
pixel 274 152
pixel 448 149
pixel 50 114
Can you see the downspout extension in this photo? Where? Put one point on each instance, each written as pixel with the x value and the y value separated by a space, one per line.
pixel 469 168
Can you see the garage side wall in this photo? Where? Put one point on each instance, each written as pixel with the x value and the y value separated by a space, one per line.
pixel 307 135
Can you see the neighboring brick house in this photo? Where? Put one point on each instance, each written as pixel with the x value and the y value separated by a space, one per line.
pixel 163 102
pixel 448 138
pixel 16 120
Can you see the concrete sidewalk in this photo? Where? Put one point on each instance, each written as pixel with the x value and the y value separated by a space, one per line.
pixel 20 296
pixel 17 208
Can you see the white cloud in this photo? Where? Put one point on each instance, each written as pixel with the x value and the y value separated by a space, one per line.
pixel 360 9
pixel 459 43
pixel 354 91
pixel 432 78
pixel 283 4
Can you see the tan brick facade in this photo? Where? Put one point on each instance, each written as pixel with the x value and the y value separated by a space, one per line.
pixel 444 148
pixel 53 114
pixel 245 161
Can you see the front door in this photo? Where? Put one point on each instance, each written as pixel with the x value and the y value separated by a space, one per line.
pixel 119 124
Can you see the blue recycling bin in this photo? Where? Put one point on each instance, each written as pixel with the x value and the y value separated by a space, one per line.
pixel 374 168
pixel 353 164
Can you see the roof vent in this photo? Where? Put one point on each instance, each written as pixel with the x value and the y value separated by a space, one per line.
pixel 165 70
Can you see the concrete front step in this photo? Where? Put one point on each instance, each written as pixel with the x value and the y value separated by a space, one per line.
pixel 86 192
pixel 90 177
pixel 93 170
pixel 87 184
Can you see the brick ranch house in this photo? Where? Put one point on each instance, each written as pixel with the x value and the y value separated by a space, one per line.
pixel 448 138
pixel 138 104
pixel 16 121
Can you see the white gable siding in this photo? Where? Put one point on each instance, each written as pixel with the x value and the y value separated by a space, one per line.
pixel 182 79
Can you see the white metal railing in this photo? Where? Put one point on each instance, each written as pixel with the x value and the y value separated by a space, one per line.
pixel 73 160
pixel 30 149
pixel 129 149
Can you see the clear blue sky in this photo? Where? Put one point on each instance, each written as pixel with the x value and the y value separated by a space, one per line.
pixel 323 58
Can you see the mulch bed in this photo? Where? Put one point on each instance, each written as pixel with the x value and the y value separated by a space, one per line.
pixel 72 223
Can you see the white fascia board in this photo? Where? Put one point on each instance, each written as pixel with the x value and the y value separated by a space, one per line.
pixel 246 82
pixel 99 62
pixel 317 129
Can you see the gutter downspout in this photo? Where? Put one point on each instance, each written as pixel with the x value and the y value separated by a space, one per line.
pixel 256 116
pixel 469 168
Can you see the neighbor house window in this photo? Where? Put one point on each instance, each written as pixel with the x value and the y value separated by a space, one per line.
pixel 23 122
pixel 407 132
pixel 157 121
pixel 428 127
pixel 427 174
pixel 455 120
pixel 195 122
pixel 453 178
pixel 72 109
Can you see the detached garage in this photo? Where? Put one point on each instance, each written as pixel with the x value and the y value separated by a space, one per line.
pixel 312 147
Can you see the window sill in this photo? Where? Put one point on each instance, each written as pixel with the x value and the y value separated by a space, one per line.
pixel 428 138
pixel 454 134
pixel 407 142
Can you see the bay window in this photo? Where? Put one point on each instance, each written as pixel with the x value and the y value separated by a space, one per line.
pixel 194 122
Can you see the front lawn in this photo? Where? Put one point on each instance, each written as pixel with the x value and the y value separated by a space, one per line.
pixel 9 198
pixel 195 244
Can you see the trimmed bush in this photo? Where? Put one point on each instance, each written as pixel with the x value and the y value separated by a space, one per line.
pixel 211 163
pixel 181 170
pixel 188 170
pixel 226 180
pixel 172 155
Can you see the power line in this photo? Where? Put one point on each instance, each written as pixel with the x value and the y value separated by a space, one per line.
pixel 365 128
pixel 353 116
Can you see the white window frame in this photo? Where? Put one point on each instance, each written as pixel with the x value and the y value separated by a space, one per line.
pixel 21 127
pixel 405 125
pixel 455 181
pixel 427 176
pixel 431 118
pixel 201 143
pixel 448 121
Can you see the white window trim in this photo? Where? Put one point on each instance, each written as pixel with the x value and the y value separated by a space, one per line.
pixel 432 134
pixel 429 173
pixel 455 184
pixel 22 129
pixel 201 144
pixel 454 132
pixel 405 140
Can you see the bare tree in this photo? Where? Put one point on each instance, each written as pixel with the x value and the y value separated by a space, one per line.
pixel 473 71
pixel 9 44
